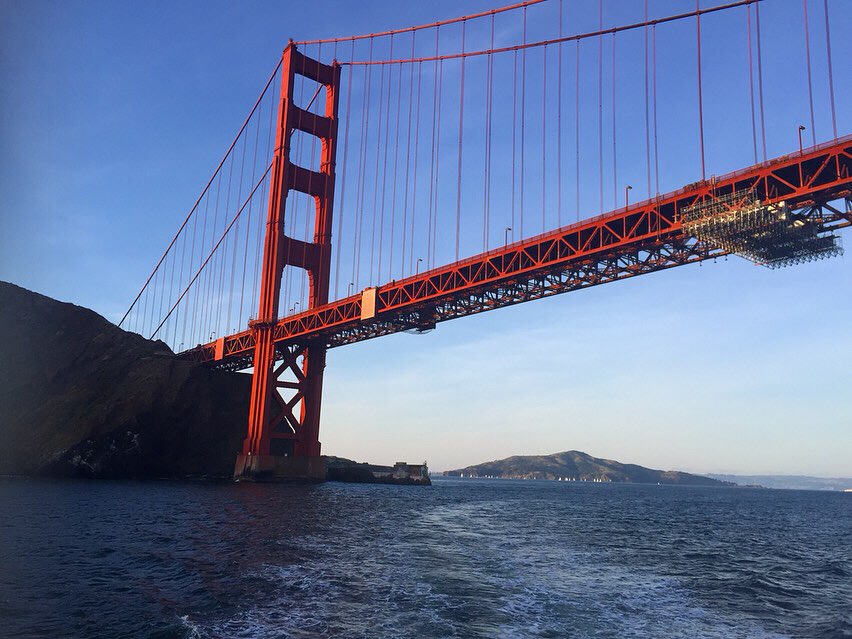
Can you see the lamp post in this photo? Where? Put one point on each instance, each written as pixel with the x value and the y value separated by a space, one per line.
pixel 506 236
pixel 349 289
pixel 801 129
pixel 417 270
pixel 627 190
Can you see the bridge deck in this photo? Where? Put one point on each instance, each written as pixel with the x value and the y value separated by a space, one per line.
pixel 642 238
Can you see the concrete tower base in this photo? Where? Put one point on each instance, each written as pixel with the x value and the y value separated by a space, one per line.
pixel 279 468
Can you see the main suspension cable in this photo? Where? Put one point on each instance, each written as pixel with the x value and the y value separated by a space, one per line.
pixel 541 43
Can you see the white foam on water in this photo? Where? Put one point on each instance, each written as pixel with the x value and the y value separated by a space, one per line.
pixel 193 631
pixel 467 576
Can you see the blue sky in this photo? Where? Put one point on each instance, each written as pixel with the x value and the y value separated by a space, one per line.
pixel 115 115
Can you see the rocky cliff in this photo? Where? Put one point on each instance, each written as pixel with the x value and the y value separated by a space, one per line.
pixel 81 397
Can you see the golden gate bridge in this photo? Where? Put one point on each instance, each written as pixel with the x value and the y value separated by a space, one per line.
pixel 391 181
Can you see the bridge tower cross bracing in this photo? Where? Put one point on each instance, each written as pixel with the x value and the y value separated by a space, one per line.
pixel 279 443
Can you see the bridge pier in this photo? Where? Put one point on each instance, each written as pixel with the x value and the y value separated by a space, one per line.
pixel 283 427
pixel 279 468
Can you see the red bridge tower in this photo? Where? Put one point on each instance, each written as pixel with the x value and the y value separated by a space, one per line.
pixel 280 443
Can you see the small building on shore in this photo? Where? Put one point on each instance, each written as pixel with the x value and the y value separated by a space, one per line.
pixel 404 470
pixel 339 469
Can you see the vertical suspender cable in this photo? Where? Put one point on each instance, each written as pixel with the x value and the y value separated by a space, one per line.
pixel 376 171
pixel 385 166
pixel 309 207
pixel 143 329
pixel 523 121
pixel 461 135
pixel 144 305
pixel 171 290
pixel 171 282
pixel 600 105
pixel 435 107
pixel 654 100
pixel 808 59
pixel 341 207
pixel 395 170
pixel 577 128
pixel 261 225
pixel 559 126
pixel 206 304
pixel 647 109
pixel 700 95
pixel 204 293
pixel 196 320
pixel 180 283
pixel 408 158
pixel 436 135
pixel 207 186
pixel 760 80
pixel 229 326
pixel 434 239
pixel 830 71
pixel 751 82
pixel 544 144
pixel 514 130
pixel 365 126
pixel 248 221
pixel 324 276
pixel 292 212
pixel 614 133
pixel 163 287
pixel 223 259
pixel 486 186
pixel 416 157
pixel 261 222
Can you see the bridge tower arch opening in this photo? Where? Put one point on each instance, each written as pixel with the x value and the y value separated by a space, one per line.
pixel 282 439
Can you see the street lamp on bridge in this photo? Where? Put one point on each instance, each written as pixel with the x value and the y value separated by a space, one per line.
pixel 627 190
pixel 506 236
pixel 801 129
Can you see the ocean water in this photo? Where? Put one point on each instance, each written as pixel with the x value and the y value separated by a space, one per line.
pixel 463 558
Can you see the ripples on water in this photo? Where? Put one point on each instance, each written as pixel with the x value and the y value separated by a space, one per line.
pixel 464 558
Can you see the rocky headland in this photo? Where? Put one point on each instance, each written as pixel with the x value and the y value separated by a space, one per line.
pixel 80 397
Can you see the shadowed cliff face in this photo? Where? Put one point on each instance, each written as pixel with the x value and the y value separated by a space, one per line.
pixel 81 397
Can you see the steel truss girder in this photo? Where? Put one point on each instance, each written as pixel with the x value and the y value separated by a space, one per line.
pixel 642 238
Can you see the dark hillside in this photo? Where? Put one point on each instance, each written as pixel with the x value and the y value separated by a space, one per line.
pixel 81 397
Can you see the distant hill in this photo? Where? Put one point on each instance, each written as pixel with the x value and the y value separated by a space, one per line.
pixel 579 466
pixel 792 482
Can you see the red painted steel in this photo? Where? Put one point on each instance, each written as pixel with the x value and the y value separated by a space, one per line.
pixel 431 25
pixel 272 418
pixel 552 41
pixel 642 238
